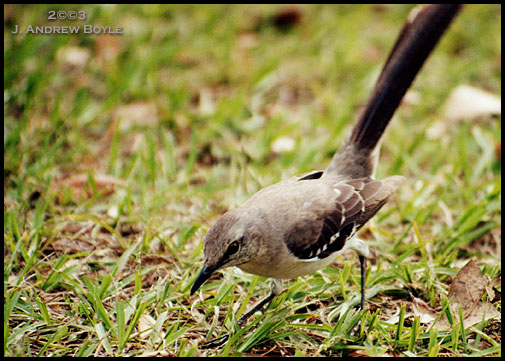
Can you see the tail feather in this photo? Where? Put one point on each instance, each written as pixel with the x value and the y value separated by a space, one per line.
pixel 418 37
pixel 415 42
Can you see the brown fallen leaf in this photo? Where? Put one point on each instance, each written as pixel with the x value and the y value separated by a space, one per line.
pixel 79 238
pixel 287 18
pixel 138 113
pixel 107 48
pixel 423 310
pixel 358 353
pixel 467 287
pixel 80 188
pixel 466 291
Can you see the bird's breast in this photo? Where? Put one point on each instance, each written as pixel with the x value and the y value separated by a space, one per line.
pixel 286 266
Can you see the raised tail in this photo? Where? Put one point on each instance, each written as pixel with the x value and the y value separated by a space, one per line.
pixel 419 35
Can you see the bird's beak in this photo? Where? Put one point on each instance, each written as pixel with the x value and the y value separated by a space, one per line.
pixel 204 275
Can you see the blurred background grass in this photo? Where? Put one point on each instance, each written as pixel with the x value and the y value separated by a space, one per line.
pixel 121 150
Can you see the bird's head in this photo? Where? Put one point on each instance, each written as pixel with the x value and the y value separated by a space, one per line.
pixel 230 242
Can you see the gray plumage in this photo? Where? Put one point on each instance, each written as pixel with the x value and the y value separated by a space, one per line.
pixel 301 224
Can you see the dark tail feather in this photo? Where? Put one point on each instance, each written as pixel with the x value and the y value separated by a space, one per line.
pixel 418 37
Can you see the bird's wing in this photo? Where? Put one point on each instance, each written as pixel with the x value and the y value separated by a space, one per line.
pixel 323 230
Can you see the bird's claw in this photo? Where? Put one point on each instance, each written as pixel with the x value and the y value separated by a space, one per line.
pixel 216 342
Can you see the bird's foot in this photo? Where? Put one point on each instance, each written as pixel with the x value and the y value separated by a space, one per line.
pixel 216 342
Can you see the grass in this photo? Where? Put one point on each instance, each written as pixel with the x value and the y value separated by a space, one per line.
pixel 121 151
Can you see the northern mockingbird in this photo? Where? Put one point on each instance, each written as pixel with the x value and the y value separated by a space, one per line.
pixel 301 224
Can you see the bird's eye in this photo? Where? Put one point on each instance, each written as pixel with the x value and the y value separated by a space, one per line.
pixel 233 248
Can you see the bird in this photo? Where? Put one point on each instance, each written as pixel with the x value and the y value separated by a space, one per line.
pixel 301 224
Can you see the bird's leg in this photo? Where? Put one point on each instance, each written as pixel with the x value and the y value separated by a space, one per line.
pixel 275 289
pixel 361 247
pixel 362 261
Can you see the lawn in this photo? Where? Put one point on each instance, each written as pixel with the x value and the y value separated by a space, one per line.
pixel 122 149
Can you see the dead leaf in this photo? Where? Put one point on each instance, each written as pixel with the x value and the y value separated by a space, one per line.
pixel 73 57
pixel 423 310
pixel 379 8
pixel 185 58
pixel 138 113
pixel 358 353
pixel 394 318
pixel 287 18
pixel 466 292
pixel 482 311
pixel 467 288
pixel 371 54
pixel 283 145
pixel 467 102
pixel 207 104
pixel 411 98
pixel 80 188
pixel 146 325
pixel 242 51
pixel 162 353
pixel 79 238
pixel 156 259
pixel 107 48
pixel 113 211
pixel 247 41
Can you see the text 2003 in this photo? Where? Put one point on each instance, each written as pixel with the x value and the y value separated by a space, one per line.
pixel 70 15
